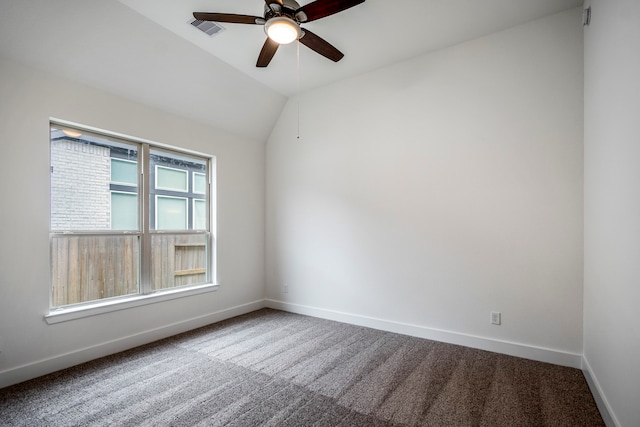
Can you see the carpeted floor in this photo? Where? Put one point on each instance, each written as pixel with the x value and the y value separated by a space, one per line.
pixel 272 368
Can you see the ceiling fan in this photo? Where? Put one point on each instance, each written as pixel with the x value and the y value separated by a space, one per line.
pixel 282 19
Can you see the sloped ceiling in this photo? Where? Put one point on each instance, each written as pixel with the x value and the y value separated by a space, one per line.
pixel 371 35
pixel 146 51
pixel 104 44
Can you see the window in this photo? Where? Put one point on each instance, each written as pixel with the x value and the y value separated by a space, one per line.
pixel 124 191
pixel 199 214
pixel 127 218
pixel 124 211
pixel 171 213
pixel 199 183
pixel 171 179
pixel 124 171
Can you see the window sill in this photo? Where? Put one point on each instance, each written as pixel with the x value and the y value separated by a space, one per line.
pixel 101 307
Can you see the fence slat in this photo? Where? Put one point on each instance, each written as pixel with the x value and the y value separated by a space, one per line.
pixel 88 268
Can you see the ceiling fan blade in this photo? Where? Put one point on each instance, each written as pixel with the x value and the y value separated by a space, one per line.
pixel 268 50
pixel 321 46
pixel 321 8
pixel 228 17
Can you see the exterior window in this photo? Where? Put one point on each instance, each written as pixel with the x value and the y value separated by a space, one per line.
pixel 199 183
pixel 124 211
pixel 199 214
pixel 124 193
pixel 171 213
pixel 124 172
pixel 102 189
pixel 171 179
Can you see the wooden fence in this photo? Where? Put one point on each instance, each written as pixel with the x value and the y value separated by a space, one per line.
pixel 178 259
pixel 89 268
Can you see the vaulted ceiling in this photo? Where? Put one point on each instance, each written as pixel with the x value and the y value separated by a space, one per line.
pixel 147 51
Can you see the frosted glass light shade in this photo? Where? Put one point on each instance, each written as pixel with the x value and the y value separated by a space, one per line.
pixel 282 30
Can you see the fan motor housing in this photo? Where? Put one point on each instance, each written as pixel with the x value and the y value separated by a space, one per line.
pixel 288 8
pixel 291 4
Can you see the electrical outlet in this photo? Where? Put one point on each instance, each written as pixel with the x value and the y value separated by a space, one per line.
pixel 285 288
pixel 496 318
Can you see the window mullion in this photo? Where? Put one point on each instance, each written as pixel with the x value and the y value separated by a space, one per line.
pixel 145 243
pixel 209 224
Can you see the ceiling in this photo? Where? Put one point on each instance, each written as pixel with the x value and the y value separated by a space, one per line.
pixel 145 50
pixel 371 35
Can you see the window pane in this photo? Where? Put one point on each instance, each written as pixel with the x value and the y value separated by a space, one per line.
pixel 171 179
pixel 124 171
pixel 199 214
pixel 81 179
pixel 124 211
pixel 88 268
pixel 171 213
pixel 170 172
pixel 178 260
pixel 199 183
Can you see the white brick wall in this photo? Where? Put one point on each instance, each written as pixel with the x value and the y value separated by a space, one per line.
pixel 80 197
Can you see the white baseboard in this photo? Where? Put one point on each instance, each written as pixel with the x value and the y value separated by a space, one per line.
pixel 63 361
pixel 510 348
pixel 601 401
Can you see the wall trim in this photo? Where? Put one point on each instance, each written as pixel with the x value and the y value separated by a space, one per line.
pixel 602 403
pixel 555 357
pixel 63 361
pixel 67 360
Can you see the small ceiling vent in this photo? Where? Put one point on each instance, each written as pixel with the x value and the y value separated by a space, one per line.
pixel 208 27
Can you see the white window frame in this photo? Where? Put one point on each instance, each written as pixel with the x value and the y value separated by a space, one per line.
pixel 145 295
pixel 186 174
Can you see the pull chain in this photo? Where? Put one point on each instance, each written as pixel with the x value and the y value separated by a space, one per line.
pixel 298 86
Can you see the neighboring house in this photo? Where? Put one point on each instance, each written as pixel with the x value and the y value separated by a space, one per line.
pixel 94 185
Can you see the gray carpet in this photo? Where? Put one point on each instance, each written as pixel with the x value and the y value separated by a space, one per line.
pixel 271 368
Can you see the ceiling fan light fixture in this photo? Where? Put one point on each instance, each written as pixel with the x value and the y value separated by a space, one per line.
pixel 282 30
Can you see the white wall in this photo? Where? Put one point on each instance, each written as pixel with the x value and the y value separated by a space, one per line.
pixel 28 346
pixel 612 205
pixel 423 195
